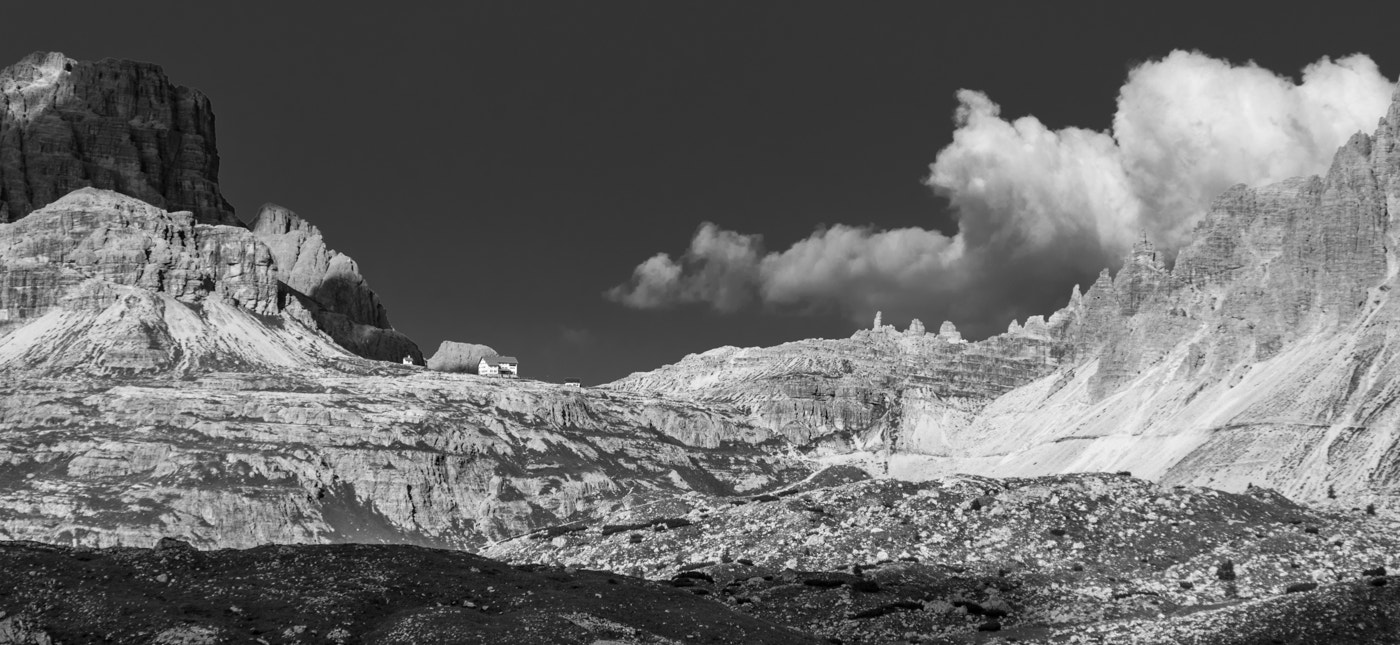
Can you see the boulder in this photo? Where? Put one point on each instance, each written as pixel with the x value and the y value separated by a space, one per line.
pixel 452 356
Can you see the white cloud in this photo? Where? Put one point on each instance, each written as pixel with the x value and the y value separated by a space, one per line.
pixel 718 269
pixel 1039 210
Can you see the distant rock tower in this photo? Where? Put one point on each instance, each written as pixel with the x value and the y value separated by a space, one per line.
pixel 949 332
pixel 916 328
pixel 877 321
pixel 1145 253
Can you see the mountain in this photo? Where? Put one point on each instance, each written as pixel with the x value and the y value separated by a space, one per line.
pixel 167 372
pixel 123 126
pixel 114 124
pixel 1269 354
pixel 158 377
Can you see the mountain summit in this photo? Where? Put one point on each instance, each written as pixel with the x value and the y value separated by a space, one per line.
pixel 115 124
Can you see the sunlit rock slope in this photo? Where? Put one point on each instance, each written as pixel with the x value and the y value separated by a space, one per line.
pixel 1268 354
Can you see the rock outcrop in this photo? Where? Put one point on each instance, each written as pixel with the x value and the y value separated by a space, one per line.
pixel 113 124
pixel 462 358
pixel 329 285
pixel 122 285
pixel 1267 355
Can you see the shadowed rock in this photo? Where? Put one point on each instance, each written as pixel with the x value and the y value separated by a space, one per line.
pixel 114 124
pixel 330 288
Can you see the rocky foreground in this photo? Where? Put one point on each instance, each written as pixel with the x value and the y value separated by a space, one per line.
pixel 1076 558
pixel 1072 559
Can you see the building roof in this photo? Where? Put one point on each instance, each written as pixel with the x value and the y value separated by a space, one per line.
pixel 497 360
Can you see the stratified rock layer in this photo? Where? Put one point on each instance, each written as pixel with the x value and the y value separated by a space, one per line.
pixel 114 124
pixel 101 277
pixel 329 285
pixel 1267 355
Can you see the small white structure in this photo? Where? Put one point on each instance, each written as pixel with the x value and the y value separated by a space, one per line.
pixel 502 366
pixel 573 383
pixel 408 360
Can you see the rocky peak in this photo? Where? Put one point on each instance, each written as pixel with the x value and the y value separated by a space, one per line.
pixel 113 124
pixel 330 285
pixel 949 332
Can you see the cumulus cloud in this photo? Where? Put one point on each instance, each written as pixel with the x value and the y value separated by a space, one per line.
pixel 1039 210
pixel 719 269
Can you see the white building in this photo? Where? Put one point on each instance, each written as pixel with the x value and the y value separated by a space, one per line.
pixel 503 366
pixel 573 382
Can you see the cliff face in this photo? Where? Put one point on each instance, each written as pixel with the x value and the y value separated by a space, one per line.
pixel 119 125
pixel 159 377
pixel 850 394
pixel 328 283
pixel 1266 355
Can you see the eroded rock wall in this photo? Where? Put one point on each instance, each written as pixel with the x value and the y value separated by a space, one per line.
pixel 119 125
pixel 330 287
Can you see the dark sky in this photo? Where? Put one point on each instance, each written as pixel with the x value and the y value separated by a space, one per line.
pixel 496 166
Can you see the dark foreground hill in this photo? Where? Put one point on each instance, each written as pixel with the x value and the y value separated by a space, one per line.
pixel 341 594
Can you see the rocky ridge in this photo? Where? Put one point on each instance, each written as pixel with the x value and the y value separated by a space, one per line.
pixel 1264 356
pixel 119 125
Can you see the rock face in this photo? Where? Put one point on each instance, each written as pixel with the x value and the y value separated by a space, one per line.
pixel 119 125
pixel 329 285
pixel 462 358
pixel 854 395
pixel 1268 355
pixel 390 454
